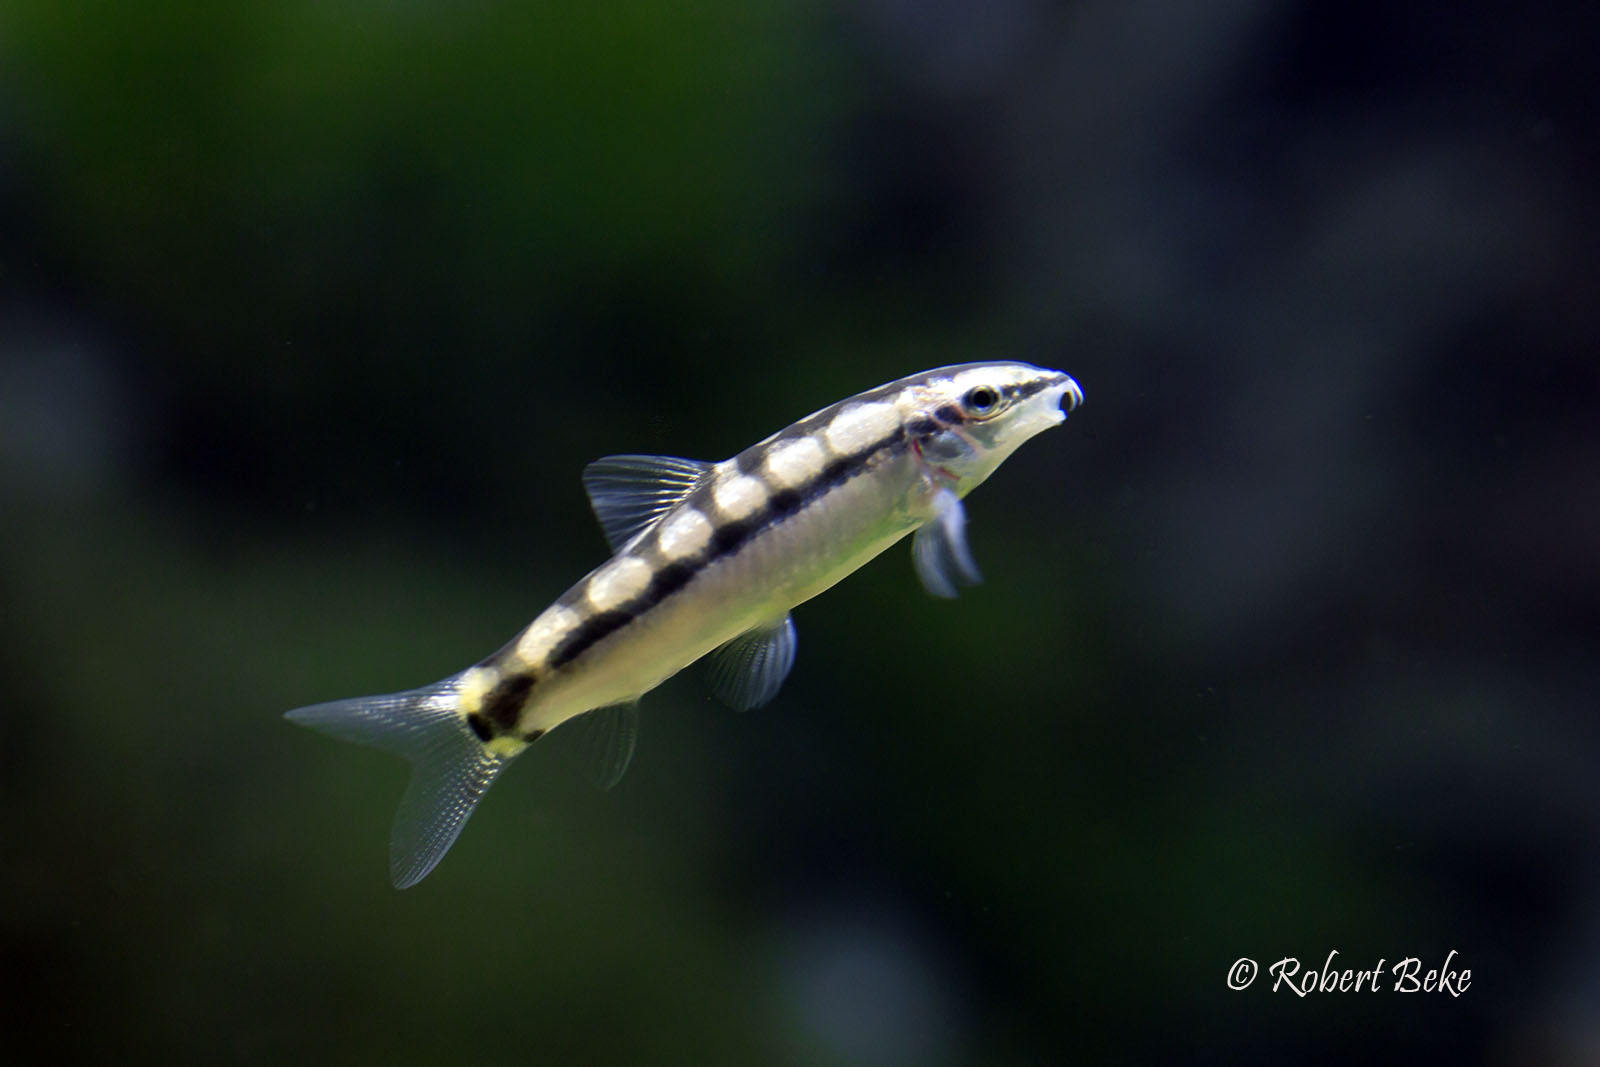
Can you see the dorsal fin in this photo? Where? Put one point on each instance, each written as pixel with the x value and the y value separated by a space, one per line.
pixel 628 493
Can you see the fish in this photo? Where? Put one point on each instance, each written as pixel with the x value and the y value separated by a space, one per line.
pixel 709 561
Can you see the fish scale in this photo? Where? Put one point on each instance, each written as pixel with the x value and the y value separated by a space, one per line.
pixel 709 559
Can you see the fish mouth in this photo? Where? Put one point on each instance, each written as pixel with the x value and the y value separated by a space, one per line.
pixel 1072 393
pixel 1065 395
pixel 1045 408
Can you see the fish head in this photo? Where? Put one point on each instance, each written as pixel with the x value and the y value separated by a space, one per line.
pixel 966 419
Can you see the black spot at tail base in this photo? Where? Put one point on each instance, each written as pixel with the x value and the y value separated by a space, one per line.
pixel 504 703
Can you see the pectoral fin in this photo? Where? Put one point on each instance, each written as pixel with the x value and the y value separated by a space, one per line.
pixel 748 671
pixel 939 548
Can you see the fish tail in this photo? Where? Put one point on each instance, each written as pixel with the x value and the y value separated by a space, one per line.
pixel 451 768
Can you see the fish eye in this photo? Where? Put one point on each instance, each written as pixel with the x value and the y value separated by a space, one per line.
pixel 981 400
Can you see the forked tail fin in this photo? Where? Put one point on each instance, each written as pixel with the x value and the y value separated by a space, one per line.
pixel 450 768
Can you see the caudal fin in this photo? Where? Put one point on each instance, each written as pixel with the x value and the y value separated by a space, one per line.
pixel 450 768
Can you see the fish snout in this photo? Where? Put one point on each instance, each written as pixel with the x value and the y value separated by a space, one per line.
pixel 1072 394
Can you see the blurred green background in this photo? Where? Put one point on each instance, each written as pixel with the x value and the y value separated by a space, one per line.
pixel 311 314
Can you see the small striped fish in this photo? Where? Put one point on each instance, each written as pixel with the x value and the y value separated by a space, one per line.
pixel 709 558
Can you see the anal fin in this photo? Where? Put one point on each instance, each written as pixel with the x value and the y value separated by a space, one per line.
pixel 608 736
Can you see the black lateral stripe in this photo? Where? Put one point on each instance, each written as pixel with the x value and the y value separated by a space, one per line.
pixel 730 535
pixel 591 631
pixel 725 541
pixel 1031 386
pixel 785 502
pixel 669 578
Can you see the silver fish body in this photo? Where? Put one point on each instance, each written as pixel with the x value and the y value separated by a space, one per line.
pixel 709 559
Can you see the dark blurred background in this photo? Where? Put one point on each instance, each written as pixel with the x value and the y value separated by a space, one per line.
pixel 311 313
